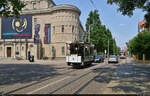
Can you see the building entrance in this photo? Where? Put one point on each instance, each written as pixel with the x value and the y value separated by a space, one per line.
pixel 8 51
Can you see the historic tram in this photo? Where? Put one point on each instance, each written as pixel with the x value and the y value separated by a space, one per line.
pixel 79 54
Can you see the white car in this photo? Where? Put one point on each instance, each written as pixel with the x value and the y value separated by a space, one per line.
pixel 122 57
pixel 113 59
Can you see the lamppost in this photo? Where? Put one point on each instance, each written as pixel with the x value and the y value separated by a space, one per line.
pixel 108 49
pixel 15 49
pixel 89 33
pixel 26 48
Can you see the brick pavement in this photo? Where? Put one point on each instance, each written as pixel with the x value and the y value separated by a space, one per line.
pixel 52 62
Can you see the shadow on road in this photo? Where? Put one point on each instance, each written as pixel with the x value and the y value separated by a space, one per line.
pixel 24 73
pixel 130 77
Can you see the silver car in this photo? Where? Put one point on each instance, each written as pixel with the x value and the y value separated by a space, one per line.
pixel 113 59
pixel 122 57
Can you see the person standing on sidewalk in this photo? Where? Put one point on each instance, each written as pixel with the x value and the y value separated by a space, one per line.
pixel 29 55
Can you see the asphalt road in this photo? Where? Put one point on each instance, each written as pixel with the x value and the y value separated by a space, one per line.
pixel 125 77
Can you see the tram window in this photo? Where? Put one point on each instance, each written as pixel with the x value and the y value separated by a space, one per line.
pixel 74 49
pixel 87 51
pixel 81 53
pixel 91 50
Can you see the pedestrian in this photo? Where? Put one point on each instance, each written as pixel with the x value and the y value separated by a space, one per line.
pixel 29 55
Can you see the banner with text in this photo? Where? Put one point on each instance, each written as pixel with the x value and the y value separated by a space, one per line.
pixel 17 28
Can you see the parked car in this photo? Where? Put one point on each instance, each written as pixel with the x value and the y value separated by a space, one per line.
pixel 122 57
pixel 99 58
pixel 113 59
pixel 102 58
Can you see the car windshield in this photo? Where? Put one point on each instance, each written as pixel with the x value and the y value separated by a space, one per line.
pixel 101 55
pixel 113 56
pixel 96 57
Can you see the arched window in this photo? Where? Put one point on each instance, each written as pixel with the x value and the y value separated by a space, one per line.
pixel 62 29
pixel 63 50
pixel 72 28
pixel 22 48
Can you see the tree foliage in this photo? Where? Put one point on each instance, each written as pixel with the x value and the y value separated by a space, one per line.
pixel 128 6
pixel 99 34
pixel 140 44
pixel 11 7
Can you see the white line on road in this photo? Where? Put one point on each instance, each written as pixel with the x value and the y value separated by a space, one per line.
pixel 48 85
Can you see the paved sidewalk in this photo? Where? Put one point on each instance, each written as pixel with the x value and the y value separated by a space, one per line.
pixel 14 61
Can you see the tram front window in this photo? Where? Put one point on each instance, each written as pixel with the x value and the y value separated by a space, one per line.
pixel 73 49
pixel 76 50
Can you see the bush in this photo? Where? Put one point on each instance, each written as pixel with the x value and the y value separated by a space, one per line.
pixel 140 44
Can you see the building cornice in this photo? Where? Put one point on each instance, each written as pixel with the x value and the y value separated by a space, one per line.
pixel 51 9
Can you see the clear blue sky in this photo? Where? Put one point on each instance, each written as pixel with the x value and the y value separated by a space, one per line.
pixel 123 28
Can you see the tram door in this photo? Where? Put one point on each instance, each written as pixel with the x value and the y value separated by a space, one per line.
pixel 8 51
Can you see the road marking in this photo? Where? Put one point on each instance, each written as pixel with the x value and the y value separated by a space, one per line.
pixel 48 85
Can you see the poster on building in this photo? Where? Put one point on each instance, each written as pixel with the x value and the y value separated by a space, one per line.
pixel 17 28
pixel 36 35
pixel 47 38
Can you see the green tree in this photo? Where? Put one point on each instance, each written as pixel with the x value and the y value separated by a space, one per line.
pixel 140 44
pixel 11 7
pixel 126 7
pixel 99 34
pixel 93 25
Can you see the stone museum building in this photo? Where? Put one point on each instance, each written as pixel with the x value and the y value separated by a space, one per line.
pixel 43 29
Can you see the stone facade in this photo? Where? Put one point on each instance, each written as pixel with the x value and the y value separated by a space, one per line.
pixel 64 24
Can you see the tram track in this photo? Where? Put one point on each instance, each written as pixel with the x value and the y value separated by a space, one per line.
pixel 68 83
pixel 73 84
pixel 71 72
pixel 64 82
pixel 62 72
pixel 83 77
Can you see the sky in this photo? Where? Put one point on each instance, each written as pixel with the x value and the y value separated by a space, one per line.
pixel 123 28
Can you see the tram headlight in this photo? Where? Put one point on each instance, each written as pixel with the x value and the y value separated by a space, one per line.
pixel 68 47
pixel 76 48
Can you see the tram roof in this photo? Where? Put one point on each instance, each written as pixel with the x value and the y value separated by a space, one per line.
pixel 80 43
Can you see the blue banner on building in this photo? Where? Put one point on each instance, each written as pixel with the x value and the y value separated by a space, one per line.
pixel 36 35
pixel 17 28
pixel 47 38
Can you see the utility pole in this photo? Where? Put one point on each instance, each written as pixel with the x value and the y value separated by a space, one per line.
pixel 89 33
pixel 108 49
pixel 26 49
pixel 117 51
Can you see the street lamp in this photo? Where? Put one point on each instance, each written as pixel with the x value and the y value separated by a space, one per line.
pixel 108 49
pixel 89 33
